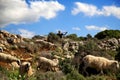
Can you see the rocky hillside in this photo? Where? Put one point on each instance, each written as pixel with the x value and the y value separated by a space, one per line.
pixel 68 51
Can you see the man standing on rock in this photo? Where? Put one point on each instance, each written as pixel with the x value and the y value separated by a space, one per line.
pixel 61 34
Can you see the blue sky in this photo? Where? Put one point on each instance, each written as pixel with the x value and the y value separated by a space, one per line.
pixel 39 17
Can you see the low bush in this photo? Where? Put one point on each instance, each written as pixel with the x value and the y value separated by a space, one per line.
pixel 74 75
pixel 50 76
pixel 3 75
pixel 52 37
pixel 66 66
pixel 117 56
pixel 73 37
pixel 97 77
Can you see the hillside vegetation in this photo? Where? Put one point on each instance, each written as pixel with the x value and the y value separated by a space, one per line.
pixel 108 34
pixel 69 51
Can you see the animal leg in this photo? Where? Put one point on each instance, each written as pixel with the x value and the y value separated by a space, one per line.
pixel 101 71
pixel 84 69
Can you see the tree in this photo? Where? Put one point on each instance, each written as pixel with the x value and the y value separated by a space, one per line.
pixel 89 36
pixel 72 36
pixel 52 37
pixel 108 34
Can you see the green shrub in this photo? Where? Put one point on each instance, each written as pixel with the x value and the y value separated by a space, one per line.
pixel 118 76
pixel 31 78
pixel 117 56
pixel 8 74
pixel 52 37
pixel 89 36
pixel 72 36
pixel 50 76
pixel 70 71
pixel 82 38
pixel 112 53
pixel 74 75
pixel 101 77
pixel 3 75
pixel 66 66
pixel 97 77
pixel 13 75
pixel 89 46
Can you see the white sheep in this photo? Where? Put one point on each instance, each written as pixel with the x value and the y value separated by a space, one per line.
pixel 46 44
pixel 48 64
pixel 15 65
pixel 99 63
pixel 7 58
pixel 25 69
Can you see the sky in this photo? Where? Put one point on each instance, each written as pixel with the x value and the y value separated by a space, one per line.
pixel 40 17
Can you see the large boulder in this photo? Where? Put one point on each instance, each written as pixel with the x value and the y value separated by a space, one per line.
pixel 113 42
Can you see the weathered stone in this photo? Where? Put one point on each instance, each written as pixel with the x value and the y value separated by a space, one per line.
pixel 113 42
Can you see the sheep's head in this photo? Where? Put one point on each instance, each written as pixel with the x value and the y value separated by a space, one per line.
pixel 1 49
pixel 24 68
pixel 115 64
pixel 18 62
pixel 27 67
pixel 56 60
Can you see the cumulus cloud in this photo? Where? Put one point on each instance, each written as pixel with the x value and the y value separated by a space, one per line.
pixel 88 9
pixel 92 10
pixel 93 27
pixel 76 28
pixel 111 10
pixel 25 33
pixel 17 11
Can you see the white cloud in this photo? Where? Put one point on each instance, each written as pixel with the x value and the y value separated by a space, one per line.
pixel 111 10
pixel 76 28
pixel 26 33
pixel 93 27
pixel 88 9
pixel 17 11
pixel 92 10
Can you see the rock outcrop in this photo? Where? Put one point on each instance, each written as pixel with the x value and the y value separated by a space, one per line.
pixel 110 44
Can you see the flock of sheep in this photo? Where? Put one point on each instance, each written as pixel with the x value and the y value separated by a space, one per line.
pixel 99 63
pixel 26 67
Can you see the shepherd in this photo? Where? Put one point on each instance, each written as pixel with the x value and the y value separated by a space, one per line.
pixel 61 34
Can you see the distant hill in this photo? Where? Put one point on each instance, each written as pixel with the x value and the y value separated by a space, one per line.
pixel 108 34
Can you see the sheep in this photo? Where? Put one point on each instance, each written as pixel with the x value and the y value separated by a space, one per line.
pixel 15 65
pixel 25 69
pixel 48 64
pixel 65 46
pixel 99 63
pixel 7 58
pixel 46 44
